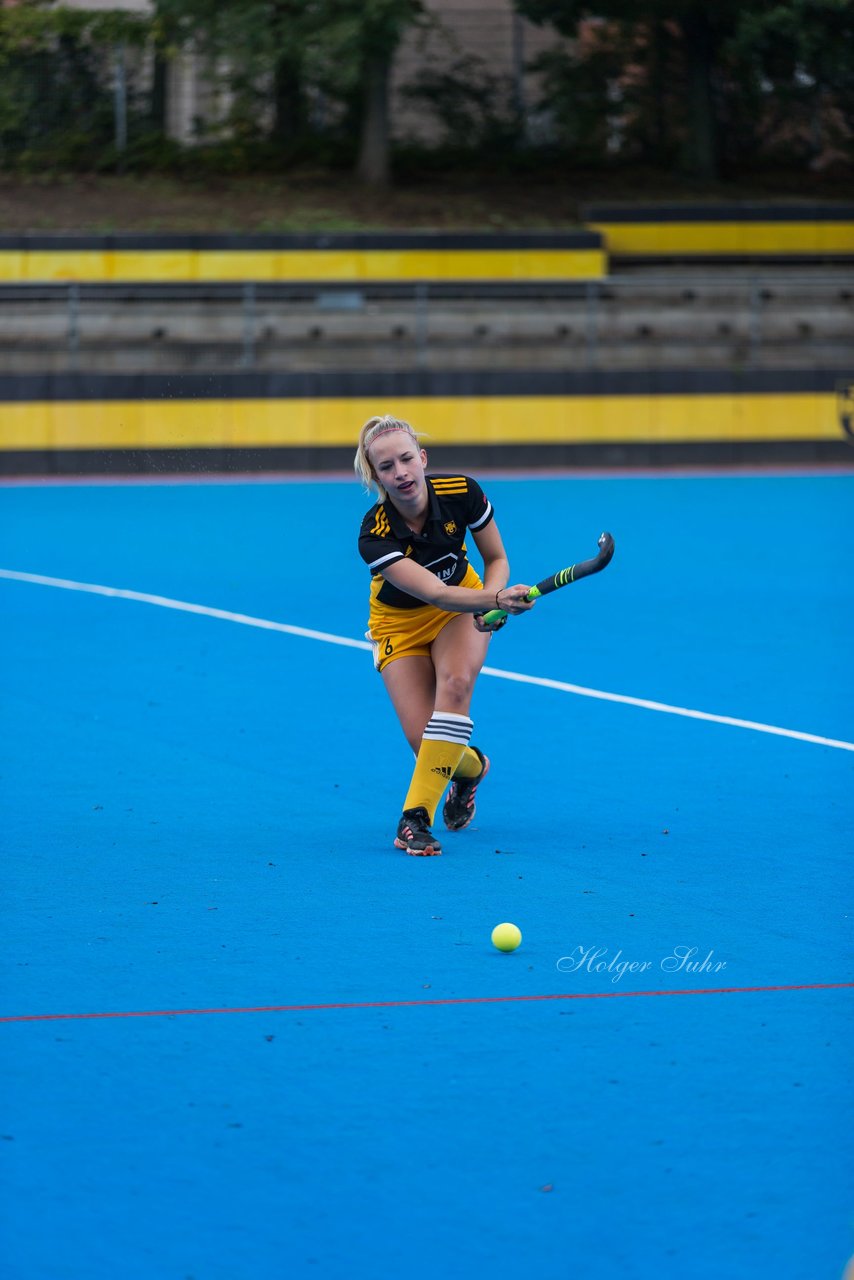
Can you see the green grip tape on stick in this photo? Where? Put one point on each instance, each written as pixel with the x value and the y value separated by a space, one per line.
pixel 495 615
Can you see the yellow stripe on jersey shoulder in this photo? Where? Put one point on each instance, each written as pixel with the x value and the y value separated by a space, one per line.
pixel 450 484
pixel 381 528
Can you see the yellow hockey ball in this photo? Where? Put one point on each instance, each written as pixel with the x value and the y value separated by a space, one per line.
pixel 506 937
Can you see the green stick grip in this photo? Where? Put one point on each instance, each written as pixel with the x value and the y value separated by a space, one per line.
pixel 495 615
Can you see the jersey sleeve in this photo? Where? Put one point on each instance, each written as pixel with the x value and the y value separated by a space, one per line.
pixel 378 546
pixel 479 510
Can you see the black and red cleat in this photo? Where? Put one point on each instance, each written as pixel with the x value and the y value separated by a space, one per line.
pixel 414 834
pixel 459 805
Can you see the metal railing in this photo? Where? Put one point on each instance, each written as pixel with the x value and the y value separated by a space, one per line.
pixel 697 320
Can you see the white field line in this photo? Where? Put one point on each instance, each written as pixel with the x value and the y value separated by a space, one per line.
pixel 183 606
pixel 670 710
pixel 246 620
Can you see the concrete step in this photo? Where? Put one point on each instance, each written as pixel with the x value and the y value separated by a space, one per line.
pixel 223 357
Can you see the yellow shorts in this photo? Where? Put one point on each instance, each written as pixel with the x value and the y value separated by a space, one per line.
pixel 409 633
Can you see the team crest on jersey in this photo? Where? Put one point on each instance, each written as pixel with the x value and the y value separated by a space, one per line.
pixel 845 407
pixel 451 525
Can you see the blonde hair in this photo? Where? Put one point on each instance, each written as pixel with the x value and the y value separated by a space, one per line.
pixel 373 428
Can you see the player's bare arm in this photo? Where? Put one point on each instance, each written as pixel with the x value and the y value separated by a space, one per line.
pixel 417 581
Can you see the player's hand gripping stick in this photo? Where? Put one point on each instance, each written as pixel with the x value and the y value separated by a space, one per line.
pixel 564 577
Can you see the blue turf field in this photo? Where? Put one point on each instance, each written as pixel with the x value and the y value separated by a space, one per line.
pixel 198 814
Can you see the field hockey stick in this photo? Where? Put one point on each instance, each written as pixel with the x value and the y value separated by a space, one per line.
pixel 564 577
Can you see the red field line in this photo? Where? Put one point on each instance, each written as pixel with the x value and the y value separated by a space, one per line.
pixel 408 1004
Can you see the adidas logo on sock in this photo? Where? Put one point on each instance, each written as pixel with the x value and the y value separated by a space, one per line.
pixel 443 770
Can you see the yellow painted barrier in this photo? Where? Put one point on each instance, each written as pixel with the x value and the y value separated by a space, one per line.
pixel 452 420
pixel 736 239
pixel 208 266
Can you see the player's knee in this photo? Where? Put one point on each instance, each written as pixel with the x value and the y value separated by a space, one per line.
pixel 454 690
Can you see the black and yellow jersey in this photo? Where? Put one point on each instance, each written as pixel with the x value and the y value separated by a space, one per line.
pixel 455 504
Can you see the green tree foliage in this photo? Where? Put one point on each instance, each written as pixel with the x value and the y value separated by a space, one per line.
pixel 56 97
pixel 792 82
pixel 704 85
pixel 288 75
pixel 257 50
pixel 474 108
pixel 284 54
pixel 701 27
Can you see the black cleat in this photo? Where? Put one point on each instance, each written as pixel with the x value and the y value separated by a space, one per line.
pixel 459 805
pixel 414 834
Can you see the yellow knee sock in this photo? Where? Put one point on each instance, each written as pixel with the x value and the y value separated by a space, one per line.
pixel 442 747
pixel 470 765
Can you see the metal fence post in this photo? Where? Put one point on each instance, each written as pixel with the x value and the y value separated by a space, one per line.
pixel 591 331
pixel 247 360
pixel 121 104
pixel 755 323
pixel 73 325
pixel 519 103
pixel 421 324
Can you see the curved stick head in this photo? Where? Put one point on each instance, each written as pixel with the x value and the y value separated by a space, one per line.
pixel 606 549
